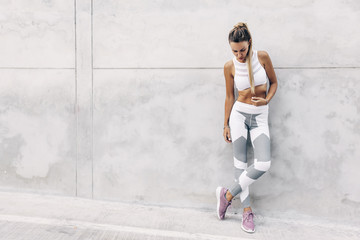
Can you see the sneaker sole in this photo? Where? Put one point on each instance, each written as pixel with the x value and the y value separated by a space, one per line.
pixel 247 230
pixel 218 191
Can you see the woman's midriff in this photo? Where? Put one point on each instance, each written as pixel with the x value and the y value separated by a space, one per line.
pixel 245 95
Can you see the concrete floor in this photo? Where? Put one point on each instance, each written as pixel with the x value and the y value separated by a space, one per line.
pixel 35 216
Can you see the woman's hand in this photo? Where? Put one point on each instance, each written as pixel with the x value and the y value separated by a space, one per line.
pixel 259 101
pixel 226 134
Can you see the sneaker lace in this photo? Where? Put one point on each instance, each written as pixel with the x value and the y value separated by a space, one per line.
pixel 249 217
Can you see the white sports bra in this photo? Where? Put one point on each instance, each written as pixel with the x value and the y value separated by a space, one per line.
pixel 241 77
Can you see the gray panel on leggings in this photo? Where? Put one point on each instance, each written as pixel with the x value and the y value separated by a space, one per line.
pixel 237 174
pixel 246 202
pixel 254 173
pixel 235 190
pixel 262 148
pixel 239 147
pixel 250 118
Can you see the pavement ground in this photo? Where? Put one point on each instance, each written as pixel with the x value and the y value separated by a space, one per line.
pixel 29 216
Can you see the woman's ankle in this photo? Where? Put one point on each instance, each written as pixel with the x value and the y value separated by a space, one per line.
pixel 247 209
pixel 228 196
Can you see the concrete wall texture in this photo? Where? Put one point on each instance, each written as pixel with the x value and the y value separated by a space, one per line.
pixel 124 100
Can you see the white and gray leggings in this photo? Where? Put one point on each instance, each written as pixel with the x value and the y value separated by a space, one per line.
pixel 246 118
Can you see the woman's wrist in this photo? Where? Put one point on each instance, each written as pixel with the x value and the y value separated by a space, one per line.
pixel 226 126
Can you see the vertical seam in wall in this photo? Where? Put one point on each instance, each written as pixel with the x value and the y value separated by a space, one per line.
pixel 92 105
pixel 75 107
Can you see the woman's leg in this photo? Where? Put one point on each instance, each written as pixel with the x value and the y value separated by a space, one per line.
pixel 239 132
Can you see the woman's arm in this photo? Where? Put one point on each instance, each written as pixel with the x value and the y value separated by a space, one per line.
pixel 265 60
pixel 229 99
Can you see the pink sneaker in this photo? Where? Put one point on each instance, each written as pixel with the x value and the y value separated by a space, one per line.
pixel 248 222
pixel 222 202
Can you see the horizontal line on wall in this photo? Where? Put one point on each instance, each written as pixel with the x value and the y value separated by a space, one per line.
pixel 157 68
pixel 195 68
pixel 316 67
pixel 36 68
pixel 169 68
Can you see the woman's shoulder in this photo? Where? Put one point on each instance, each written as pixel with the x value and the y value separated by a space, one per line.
pixel 228 65
pixel 228 68
pixel 262 55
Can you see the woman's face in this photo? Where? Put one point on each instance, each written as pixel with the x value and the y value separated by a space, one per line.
pixel 240 50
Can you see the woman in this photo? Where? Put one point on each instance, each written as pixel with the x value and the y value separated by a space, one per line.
pixel 249 71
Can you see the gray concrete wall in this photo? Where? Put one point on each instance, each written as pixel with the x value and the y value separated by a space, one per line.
pixel 123 100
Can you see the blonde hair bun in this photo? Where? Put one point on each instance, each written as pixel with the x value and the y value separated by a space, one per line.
pixel 240 25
